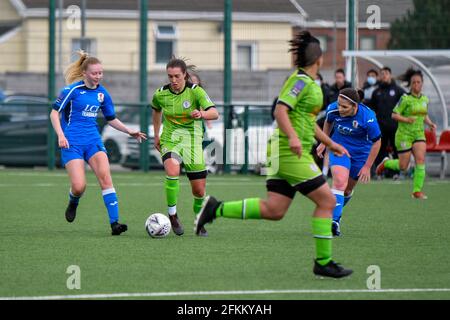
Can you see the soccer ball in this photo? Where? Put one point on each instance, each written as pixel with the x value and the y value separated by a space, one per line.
pixel 157 225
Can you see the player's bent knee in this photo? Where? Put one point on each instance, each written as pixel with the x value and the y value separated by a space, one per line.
pixel 198 192
pixel 327 203
pixel 78 188
pixel 276 213
pixel 105 181
pixel 340 183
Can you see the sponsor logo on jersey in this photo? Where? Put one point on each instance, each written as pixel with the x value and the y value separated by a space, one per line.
pixel 82 92
pixel 344 130
pixel 298 87
pixel 90 111
pixel 186 104
pixel 100 97
pixel 370 120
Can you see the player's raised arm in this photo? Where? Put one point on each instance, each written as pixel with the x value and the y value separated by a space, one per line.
pixel 326 140
pixel 118 125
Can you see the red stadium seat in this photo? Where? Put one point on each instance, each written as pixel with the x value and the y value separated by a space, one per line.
pixel 443 147
pixel 431 140
pixel 444 141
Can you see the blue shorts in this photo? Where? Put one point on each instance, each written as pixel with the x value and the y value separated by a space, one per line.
pixel 84 152
pixel 352 164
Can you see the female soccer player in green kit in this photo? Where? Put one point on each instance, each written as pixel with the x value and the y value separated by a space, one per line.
pixel 184 105
pixel 289 149
pixel 411 113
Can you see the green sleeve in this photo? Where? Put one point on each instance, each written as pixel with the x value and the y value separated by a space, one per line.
pixel 156 104
pixel 204 101
pixel 401 105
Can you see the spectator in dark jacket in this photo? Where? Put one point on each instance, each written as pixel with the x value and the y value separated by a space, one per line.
pixel 383 101
pixel 340 83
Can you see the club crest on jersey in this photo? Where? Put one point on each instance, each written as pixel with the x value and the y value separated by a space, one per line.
pixel 100 97
pixel 355 124
pixel 186 104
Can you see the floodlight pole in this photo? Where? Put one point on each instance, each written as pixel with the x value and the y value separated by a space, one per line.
pixel 227 77
pixel 144 111
pixel 351 38
pixel 51 84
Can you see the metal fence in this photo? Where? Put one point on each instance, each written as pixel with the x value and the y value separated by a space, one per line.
pixel 235 142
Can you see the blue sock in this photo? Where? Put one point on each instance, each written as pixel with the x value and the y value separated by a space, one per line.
pixel 73 198
pixel 111 204
pixel 337 212
pixel 347 198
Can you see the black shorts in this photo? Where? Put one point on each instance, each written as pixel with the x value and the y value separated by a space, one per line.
pixel 283 187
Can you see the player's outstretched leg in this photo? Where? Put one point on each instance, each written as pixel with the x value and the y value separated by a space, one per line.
pixel 241 209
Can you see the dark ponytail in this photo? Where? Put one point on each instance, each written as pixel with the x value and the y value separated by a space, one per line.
pixel 306 48
pixel 410 72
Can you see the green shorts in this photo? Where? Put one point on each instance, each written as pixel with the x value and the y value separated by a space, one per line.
pixel 287 173
pixel 191 156
pixel 405 140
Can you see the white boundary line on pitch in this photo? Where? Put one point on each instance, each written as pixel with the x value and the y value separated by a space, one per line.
pixel 216 293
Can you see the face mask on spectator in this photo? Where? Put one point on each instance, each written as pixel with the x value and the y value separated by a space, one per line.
pixel 371 80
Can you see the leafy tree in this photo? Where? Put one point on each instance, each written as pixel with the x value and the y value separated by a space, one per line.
pixel 426 27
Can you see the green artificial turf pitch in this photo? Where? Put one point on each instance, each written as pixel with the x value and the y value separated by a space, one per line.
pixel 407 239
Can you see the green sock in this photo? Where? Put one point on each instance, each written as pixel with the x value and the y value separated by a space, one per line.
pixel 198 204
pixel 322 234
pixel 392 164
pixel 242 209
pixel 419 177
pixel 172 190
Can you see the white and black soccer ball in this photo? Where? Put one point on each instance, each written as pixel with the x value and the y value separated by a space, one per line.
pixel 157 225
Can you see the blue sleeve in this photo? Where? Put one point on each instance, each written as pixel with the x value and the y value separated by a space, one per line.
pixel 108 107
pixel 373 129
pixel 63 99
pixel 332 113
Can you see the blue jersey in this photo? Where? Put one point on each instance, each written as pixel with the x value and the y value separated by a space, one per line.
pixel 356 133
pixel 79 106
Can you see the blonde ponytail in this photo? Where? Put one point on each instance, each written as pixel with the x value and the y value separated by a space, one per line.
pixel 74 71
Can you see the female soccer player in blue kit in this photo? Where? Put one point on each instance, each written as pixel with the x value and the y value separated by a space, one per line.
pixel 78 135
pixel 356 128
